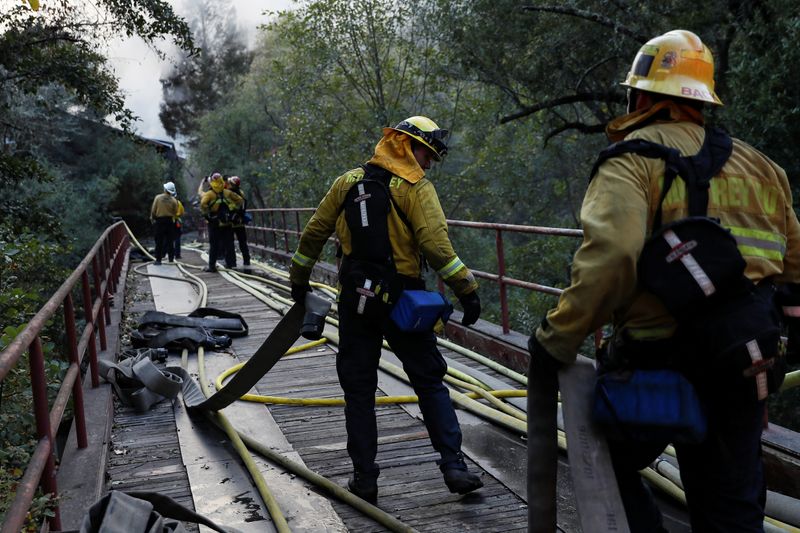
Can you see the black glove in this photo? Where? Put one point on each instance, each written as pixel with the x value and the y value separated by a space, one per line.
pixel 299 292
pixel 471 303
pixel 540 357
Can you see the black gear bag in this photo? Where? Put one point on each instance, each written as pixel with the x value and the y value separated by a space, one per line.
pixel 369 270
pixel 693 265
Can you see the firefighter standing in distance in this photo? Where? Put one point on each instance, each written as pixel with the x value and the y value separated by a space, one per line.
pixel 239 220
pixel 162 215
pixel 670 81
pixel 416 229
pixel 216 206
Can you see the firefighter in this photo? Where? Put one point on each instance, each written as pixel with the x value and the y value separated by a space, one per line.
pixel 415 228
pixel 238 221
pixel 162 215
pixel 216 206
pixel 669 84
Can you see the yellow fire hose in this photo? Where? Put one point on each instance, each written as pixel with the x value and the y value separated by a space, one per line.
pixel 505 416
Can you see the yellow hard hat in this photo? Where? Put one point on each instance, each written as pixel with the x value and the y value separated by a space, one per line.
pixel 217 182
pixel 676 64
pixel 425 131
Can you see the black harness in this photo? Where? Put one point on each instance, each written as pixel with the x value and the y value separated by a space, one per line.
pixel 693 265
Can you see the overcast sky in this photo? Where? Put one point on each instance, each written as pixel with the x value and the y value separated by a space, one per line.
pixel 139 69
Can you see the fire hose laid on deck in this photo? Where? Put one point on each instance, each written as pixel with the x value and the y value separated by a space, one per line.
pixel 784 518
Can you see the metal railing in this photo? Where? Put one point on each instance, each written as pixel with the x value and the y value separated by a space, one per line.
pixel 98 275
pixel 272 226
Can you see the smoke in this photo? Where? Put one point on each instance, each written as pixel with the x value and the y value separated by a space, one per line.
pixel 139 68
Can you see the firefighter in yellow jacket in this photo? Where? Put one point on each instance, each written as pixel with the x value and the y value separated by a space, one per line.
pixel 162 213
pixel 217 205
pixel 416 229
pixel 670 81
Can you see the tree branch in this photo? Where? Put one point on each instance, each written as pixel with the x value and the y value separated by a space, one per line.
pixel 579 126
pixel 592 17
pixel 570 99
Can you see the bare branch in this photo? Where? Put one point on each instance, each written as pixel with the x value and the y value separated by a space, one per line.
pixel 592 17
pixel 578 126
pixel 570 99
pixel 591 68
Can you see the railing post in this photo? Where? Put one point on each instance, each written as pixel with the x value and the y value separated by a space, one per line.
pixel 109 249
pixel 43 429
pixel 87 307
pixel 101 323
pixel 274 227
pixel 264 222
pixel 501 273
pixel 299 229
pixel 105 269
pixel 77 388
pixel 285 232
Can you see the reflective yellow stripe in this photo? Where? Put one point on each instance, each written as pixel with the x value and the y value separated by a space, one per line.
pixel 758 234
pixel 302 260
pixel 754 251
pixel 654 333
pixel 451 268
pixel 759 243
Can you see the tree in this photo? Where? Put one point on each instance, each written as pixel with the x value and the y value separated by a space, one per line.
pixel 49 62
pixel 52 80
pixel 200 79
pixel 563 61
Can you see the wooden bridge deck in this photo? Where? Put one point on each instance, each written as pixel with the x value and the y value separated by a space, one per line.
pixel 145 454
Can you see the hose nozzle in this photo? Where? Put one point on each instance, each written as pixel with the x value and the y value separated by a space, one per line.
pixel 314 320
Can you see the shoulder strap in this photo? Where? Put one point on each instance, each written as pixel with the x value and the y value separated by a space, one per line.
pixel 701 167
pixel 384 176
pixel 696 170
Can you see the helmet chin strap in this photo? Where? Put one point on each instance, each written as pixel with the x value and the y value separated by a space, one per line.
pixel 633 97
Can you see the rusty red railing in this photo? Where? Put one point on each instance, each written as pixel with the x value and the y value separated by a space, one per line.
pixel 98 275
pixel 271 226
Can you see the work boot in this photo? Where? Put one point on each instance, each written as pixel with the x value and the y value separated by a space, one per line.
pixel 458 478
pixel 157 262
pixel 209 269
pixel 365 485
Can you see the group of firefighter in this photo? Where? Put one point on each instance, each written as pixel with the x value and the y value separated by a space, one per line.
pixel 223 207
pixel 691 251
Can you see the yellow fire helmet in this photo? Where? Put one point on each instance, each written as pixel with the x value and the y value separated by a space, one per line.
pixel 677 64
pixel 217 183
pixel 425 131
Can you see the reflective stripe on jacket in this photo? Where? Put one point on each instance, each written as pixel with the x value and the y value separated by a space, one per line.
pixel 421 206
pixel 751 197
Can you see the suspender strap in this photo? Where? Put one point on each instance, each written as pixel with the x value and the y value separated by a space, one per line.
pixel 696 171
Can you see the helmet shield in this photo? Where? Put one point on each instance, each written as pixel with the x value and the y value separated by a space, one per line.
pixel 425 131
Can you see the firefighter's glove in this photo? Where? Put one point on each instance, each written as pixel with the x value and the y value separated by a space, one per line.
pixel 299 292
pixel 471 303
pixel 540 357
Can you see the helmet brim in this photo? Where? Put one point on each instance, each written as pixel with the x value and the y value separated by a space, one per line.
pixel 436 155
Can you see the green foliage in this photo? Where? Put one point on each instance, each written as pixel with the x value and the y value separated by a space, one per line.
pixel 784 408
pixel 26 274
pixel 55 86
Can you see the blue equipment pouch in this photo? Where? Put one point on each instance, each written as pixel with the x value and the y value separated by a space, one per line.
pixel 419 310
pixel 648 406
